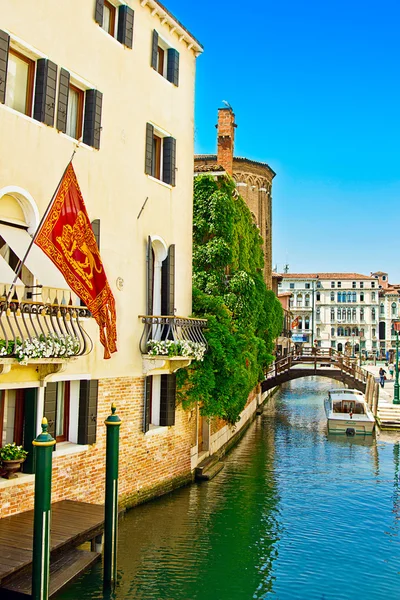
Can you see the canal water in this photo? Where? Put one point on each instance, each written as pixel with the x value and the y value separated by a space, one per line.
pixel 295 514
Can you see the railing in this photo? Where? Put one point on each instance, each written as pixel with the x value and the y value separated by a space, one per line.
pixel 173 335
pixel 32 329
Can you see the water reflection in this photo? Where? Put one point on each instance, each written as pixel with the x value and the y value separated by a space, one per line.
pixel 295 514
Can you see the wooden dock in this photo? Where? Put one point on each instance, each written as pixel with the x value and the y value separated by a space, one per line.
pixel 72 523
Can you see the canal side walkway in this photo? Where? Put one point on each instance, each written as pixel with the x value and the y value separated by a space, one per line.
pixel 388 413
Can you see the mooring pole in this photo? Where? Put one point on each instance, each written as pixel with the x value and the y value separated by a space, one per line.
pixel 113 423
pixel 42 510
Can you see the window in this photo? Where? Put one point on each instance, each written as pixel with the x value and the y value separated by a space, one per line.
pixel 109 18
pixel 354 314
pixel 382 309
pixel 291 285
pixel 299 300
pixel 318 332
pixel 339 297
pixel 339 314
pixel 333 344
pixel 361 284
pixel 373 332
pixel 383 277
pixel 319 284
pixel 332 314
pixel 307 300
pixel 373 296
pixel 346 331
pixel 11 417
pixel 362 297
pixel 318 296
pixel 159 401
pixel 160 160
pixel 354 297
pixel 307 286
pixel 291 302
pixel 19 84
pixel 374 345
pixel 348 296
pixel 62 411
pixel 75 112
pixel 164 59
pixel 307 323
pixel 332 332
pixel 332 284
pixel 373 314
pixel 339 284
pixel 372 284
pixel 340 331
pixel 332 296
pixel 318 314
pixel 354 285
pixel 349 315
pixel 394 309
pixel 361 314
pixel 300 325
pixel 362 332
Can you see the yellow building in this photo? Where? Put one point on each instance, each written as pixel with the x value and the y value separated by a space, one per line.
pixel 115 81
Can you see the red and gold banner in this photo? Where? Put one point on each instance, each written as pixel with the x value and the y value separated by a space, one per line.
pixel 295 323
pixel 67 238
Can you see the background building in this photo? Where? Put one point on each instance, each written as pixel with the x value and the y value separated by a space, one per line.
pixel 389 312
pixel 334 310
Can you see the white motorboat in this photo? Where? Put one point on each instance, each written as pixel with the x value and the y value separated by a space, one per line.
pixel 348 413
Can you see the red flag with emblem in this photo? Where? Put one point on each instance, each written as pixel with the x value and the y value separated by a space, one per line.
pixel 67 238
pixel 295 323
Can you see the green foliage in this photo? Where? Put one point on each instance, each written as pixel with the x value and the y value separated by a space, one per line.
pixel 243 316
pixel 12 452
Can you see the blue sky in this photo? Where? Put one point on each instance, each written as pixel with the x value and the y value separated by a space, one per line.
pixel 315 87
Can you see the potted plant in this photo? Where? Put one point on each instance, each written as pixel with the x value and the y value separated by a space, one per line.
pixel 12 456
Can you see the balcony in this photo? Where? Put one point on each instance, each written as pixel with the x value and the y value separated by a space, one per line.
pixel 171 343
pixel 41 332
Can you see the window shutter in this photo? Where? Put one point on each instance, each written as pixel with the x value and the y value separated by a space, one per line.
pixel 168 283
pixel 125 26
pixel 154 50
pixel 4 46
pixel 92 120
pixel 96 230
pixel 150 276
pixel 147 404
pixel 45 91
pixel 173 66
pixel 148 168
pixel 167 400
pixel 169 160
pixel 62 106
pixel 50 407
pixel 98 12
pixel 87 425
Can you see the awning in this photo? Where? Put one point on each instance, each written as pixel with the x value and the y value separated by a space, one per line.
pixel 7 275
pixel 37 262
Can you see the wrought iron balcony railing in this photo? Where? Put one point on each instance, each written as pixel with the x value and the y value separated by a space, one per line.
pixel 33 329
pixel 173 336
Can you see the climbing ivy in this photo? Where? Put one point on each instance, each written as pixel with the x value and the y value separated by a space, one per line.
pixel 244 317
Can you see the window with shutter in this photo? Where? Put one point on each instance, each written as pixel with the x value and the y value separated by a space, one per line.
pixel 154 50
pixel 125 26
pixel 159 401
pixel 87 425
pixel 160 155
pixel 4 48
pixel 149 149
pixel 50 407
pixel 62 105
pixel 168 283
pixel 147 403
pixel 150 276
pixel 167 400
pixel 173 66
pixel 19 83
pixel 45 91
pixel 92 119
pixel 164 59
pixel 169 160
pixel 98 12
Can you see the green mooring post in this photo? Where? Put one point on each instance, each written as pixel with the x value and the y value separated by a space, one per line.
pixel 113 423
pixel 42 511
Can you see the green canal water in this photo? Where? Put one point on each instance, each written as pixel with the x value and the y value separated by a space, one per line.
pixel 295 514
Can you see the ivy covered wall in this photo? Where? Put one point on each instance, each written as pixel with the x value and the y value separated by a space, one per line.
pixel 244 318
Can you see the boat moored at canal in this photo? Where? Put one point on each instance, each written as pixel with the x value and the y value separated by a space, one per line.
pixel 347 412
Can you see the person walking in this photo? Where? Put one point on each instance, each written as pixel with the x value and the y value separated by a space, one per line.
pixel 391 370
pixel 382 377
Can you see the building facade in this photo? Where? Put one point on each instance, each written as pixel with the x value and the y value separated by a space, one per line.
pixel 115 84
pixel 253 181
pixel 334 310
pixel 389 313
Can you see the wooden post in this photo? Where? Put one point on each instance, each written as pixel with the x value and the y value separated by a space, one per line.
pixel 375 399
pixel 367 388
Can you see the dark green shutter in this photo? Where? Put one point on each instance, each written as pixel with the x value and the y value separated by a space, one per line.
pixel 45 91
pixel 167 400
pixel 150 276
pixel 87 425
pixel 154 50
pixel 92 120
pixel 147 404
pixel 98 12
pixel 168 283
pixel 169 160
pixel 96 230
pixel 62 106
pixel 125 26
pixel 173 66
pixel 50 407
pixel 4 47
pixel 148 165
pixel 30 413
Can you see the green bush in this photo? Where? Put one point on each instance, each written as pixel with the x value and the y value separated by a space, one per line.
pixel 244 317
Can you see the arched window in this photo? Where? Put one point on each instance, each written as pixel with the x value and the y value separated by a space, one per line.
pixel 339 314
pixel 307 300
pixel 362 297
pixel 394 309
pixel 348 296
pixel 291 302
pixel 307 323
pixel 300 325
pixel 349 315
pixel 340 347
pixel 346 331
pixel 361 314
pixel 354 331
pixel 339 296
pixel 333 332
pixel 373 332
pixel 373 296
pixel 318 296
pixel 354 314
pixel 340 331
pixel 382 309
pixel 332 296
pixel 354 297
pixel 332 314
pixel 318 314
pixel 373 314
pixel 299 299
pixel 318 332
